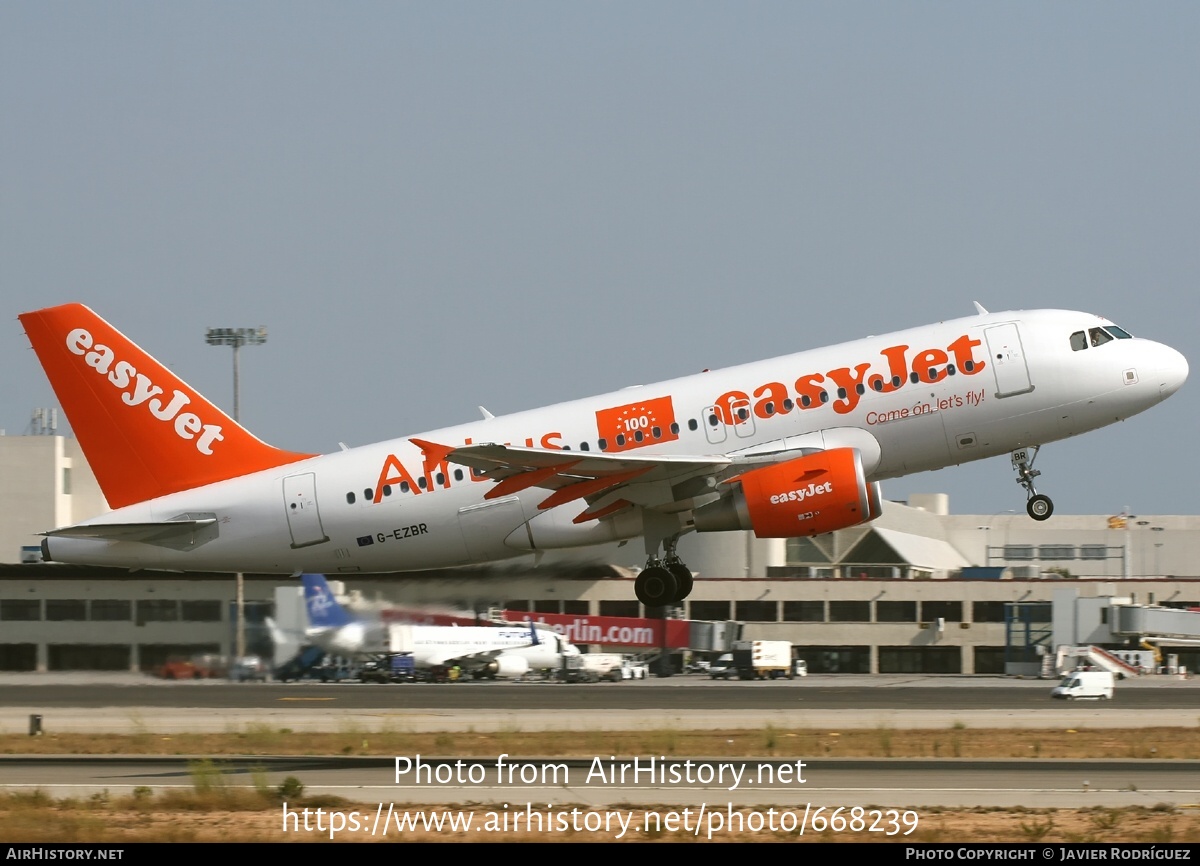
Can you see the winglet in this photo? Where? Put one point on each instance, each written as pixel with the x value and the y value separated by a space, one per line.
pixel 533 635
pixel 980 309
pixel 144 431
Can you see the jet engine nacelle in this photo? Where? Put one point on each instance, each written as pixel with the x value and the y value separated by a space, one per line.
pixel 507 666
pixel 807 495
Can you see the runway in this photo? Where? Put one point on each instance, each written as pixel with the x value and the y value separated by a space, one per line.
pixel 601 782
pixel 133 704
pixel 129 703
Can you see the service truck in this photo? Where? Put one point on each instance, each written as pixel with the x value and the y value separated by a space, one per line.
pixel 606 666
pixel 1085 684
pixel 763 659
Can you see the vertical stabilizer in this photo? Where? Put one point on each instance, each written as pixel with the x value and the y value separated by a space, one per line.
pixel 144 431
pixel 324 612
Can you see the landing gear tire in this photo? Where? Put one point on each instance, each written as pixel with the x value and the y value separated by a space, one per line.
pixel 683 579
pixel 656 586
pixel 1039 507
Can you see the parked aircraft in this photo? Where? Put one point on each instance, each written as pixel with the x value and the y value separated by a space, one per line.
pixel 788 447
pixel 504 651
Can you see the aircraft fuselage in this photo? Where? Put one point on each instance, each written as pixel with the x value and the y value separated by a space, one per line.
pixel 909 401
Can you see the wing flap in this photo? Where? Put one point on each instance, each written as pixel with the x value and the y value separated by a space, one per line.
pixel 574 475
pixel 501 461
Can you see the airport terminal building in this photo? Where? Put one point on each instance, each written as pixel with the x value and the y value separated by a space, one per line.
pixel 920 590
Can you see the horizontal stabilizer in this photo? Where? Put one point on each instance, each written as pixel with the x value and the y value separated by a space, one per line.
pixel 179 534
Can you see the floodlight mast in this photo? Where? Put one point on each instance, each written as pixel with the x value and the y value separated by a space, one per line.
pixel 238 337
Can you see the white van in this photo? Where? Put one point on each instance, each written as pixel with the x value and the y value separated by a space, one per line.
pixel 1085 684
pixel 722 668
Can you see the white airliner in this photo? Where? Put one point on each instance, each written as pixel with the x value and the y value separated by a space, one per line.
pixel 792 446
pixel 502 651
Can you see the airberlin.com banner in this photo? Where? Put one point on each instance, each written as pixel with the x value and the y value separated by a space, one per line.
pixel 610 630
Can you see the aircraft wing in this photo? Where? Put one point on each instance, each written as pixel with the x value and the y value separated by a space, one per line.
pixel 468 660
pixel 607 482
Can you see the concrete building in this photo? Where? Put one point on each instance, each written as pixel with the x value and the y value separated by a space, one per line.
pixel 55 617
pixel 44 482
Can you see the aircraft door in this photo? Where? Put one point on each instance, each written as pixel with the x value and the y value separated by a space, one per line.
pixel 300 505
pixel 714 427
pixel 1007 358
pixel 743 419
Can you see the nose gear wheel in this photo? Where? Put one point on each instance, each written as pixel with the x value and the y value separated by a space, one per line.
pixel 1038 506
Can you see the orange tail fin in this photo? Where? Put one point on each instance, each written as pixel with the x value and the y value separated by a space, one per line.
pixel 143 430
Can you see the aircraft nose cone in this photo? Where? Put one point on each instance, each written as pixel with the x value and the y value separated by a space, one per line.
pixel 1173 372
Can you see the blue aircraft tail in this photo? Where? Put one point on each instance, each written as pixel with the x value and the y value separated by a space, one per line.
pixel 323 609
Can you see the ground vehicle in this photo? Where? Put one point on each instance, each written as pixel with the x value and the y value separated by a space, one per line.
pixel 199 667
pixel 574 670
pixel 634 669
pixel 177 669
pixel 334 669
pixel 607 666
pixel 249 669
pixel 763 659
pixel 299 666
pixel 723 668
pixel 389 668
pixel 1085 684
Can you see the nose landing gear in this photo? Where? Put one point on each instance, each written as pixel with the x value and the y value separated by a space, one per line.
pixel 1039 506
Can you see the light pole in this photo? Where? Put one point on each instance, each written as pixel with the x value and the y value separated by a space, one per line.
pixel 238 337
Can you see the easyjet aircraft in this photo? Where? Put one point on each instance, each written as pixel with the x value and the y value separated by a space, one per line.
pixel 793 446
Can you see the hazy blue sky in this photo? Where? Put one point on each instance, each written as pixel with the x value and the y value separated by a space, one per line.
pixel 437 205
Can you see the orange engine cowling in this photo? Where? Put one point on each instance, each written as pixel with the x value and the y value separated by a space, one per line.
pixel 807 495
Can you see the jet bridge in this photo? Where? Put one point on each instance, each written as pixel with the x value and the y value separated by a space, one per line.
pixel 1155 623
pixel 1081 625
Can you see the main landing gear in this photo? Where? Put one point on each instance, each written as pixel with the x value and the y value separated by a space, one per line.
pixel 666 581
pixel 1039 506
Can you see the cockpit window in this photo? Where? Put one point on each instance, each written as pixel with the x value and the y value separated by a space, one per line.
pixel 1097 337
